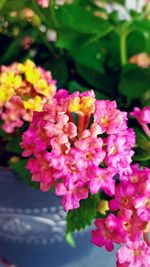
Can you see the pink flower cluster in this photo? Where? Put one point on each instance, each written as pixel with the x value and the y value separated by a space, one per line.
pixel 79 145
pixel 143 117
pixel 128 220
pixel 13 114
pixel 134 255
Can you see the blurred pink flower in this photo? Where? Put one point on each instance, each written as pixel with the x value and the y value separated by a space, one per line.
pixel 26 43
pixel 142 60
pixel 43 3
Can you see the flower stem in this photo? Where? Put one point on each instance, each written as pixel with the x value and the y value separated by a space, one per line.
pixel 123 49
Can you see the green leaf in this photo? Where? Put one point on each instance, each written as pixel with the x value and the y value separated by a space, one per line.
pixel 14 5
pixel 25 175
pixel 59 70
pixel 146 98
pixel 81 20
pixel 136 43
pixel 141 25
pixel 90 76
pixel 71 40
pixel 75 86
pixel 2 3
pixel 142 148
pixel 83 216
pixel 2 133
pixel 66 39
pixel 112 46
pixel 141 155
pixel 102 83
pixel 134 81
pixel 12 50
pixel 13 145
pixel 90 55
pixel 122 2
pixel 142 140
pixel 100 95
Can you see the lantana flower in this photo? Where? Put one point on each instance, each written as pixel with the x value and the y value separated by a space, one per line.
pixel 134 255
pixel 128 219
pixel 24 88
pixel 84 142
pixel 81 146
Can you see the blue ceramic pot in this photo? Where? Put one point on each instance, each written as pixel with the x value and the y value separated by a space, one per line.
pixel 32 226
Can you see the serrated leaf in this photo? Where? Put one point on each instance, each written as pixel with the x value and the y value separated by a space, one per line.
pixel 83 216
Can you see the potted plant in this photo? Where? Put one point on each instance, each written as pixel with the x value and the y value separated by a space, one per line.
pixel 28 217
pixel 76 145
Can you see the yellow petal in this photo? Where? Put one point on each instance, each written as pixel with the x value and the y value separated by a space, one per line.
pixel 103 207
pixel 74 104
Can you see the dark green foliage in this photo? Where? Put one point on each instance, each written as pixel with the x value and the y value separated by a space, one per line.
pixel 142 148
pixel 13 145
pixel 60 71
pixel 81 20
pixel 136 43
pixel 83 216
pixel 134 81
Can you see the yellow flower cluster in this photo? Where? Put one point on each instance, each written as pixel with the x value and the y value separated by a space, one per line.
pixel 9 83
pixel 33 84
pixel 24 88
